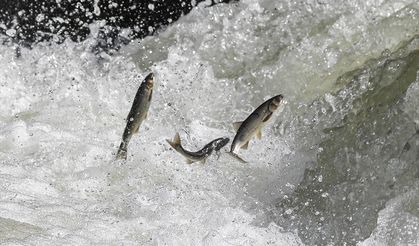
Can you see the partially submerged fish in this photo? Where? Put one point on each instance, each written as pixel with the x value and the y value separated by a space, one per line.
pixel 200 155
pixel 137 114
pixel 253 124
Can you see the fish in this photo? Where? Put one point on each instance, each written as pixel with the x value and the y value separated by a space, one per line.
pixel 252 125
pixel 137 114
pixel 200 155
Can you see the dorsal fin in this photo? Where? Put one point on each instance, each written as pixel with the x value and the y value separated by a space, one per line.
pixel 176 139
pixel 237 125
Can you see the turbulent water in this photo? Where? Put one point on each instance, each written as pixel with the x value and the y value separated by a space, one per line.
pixel 338 165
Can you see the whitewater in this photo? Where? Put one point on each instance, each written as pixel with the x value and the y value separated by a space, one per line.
pixel 337 165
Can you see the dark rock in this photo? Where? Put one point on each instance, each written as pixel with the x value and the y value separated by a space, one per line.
pixel 31 21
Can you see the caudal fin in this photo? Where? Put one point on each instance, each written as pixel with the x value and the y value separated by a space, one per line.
pixel 122 152
pixel 175 142
pixel 237 157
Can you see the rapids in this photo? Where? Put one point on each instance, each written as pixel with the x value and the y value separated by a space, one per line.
pixel 338 165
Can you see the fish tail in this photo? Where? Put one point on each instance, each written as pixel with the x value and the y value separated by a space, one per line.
pixel 122 151
pixel 237 157
pixel 175 142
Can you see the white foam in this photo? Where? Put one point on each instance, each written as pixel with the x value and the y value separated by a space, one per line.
pixel 62 116
pixel 59 181
pixel 398 223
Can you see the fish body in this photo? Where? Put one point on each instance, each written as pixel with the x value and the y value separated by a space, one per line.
pixel 253 124
pixel 200 155
pixel 137 114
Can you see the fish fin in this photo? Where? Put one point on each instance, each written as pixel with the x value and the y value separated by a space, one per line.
pixel 189 161
pixel 146 115
pixel 122 152
pixel 246 145
pixel 175 142
pixel 237 157
pixel 267 117
pixel 204 160
pixel 237 125
pixel 151 95
pixel 259 133
pixel 136 129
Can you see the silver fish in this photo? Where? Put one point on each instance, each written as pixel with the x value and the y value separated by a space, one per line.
pixel 253 124
pixel 200 155
pixel 137 114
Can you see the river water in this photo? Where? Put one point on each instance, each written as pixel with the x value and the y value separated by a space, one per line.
pixel 337 165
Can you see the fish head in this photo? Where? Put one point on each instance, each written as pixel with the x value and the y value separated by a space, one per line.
pixel 275 101
pixel 149 80
pixel 220 142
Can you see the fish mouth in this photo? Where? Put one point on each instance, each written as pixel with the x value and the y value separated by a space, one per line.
pixel 150 80
pixel 276 100
pixel 150 76
pixel 223 142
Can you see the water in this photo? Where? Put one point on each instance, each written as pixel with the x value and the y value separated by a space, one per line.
pixel 337 165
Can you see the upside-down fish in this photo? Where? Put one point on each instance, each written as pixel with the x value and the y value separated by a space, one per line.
pixel 200 155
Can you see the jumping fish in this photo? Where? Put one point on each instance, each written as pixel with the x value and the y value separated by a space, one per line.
pixel 200 155
pixel 137 114
pixel 253 124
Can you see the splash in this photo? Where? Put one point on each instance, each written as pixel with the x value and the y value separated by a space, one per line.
pixel 333 166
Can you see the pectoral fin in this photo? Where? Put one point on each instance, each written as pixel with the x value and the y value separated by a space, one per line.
pixel 237 157
pixel 189 161
pixel 267 117
pixel 259 133
pixel 237 125
pixel 246 145
pixel 136 129
pixel 151 95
